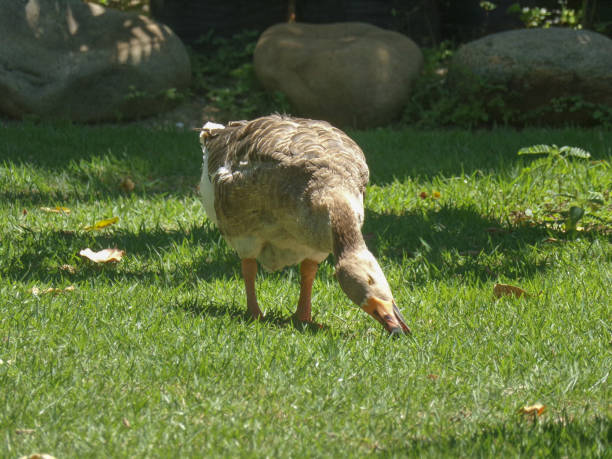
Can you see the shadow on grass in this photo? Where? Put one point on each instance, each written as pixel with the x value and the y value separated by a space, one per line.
pixel 410 153
pixel 97 157
pixel 38 256
pixel 239 312
pixel 454 241
pixel 89 162
pixel 56 146
pixel 561 438
pixel 98 190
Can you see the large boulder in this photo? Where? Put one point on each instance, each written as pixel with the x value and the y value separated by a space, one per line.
pixel 80 61
pixel 545 75
pixel 351 74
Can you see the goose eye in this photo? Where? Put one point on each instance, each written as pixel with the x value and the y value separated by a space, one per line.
pixel 370 280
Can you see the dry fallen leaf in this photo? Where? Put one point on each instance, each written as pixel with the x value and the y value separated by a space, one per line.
pixel 519 216
pixel 103 256
pixel 37 291
pixel 56 210
pixel 535 409
pixel 500 290
pixel 127 185
pixel 102 224
pixel 24 431
pixel 68 268
pixel 432 376
pixel 126 423
pixel 551 240
pixel 423 195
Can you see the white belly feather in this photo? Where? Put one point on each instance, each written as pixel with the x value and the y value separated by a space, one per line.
pixel 207 189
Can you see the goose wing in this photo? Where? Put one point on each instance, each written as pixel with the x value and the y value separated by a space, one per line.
pixel 282 141
pixel 277 167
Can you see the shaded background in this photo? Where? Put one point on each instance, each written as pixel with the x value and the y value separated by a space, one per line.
pixel 428 22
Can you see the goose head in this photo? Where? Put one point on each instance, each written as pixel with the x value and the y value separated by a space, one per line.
pixel 363 281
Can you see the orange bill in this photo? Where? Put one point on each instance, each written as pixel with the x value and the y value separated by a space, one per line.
pixel 388 314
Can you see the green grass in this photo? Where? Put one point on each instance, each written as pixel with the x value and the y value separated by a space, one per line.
pixel 155 357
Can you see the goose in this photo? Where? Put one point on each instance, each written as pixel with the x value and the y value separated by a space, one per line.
pixel 285 191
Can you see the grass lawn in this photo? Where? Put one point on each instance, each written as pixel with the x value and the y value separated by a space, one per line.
pixel 154 356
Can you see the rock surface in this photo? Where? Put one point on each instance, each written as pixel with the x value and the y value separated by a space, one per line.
pixel 80 61
pixel 351 74
pixel 539 68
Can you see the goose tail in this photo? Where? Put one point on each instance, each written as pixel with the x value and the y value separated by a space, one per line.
pixel 208 130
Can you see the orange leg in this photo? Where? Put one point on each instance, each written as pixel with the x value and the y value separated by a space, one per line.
pixel 249 271
pixel 308 271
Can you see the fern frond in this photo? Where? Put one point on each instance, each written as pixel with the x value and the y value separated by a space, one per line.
pixel 575 152
pixel 539 150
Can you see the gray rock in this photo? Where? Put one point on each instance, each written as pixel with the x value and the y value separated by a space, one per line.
pixel 350 74
pixel 539 69
pixel 80 61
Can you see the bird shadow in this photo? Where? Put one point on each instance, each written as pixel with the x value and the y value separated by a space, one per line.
pixel 273 319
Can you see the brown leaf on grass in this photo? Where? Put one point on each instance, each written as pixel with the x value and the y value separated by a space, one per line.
pixel 500 290
pixel 432 376
pixel 68 268
pixel 102 224
pixel 126 423
pixel 102 256
pixel 535 409
pixel 551 240
pixel 434 195
pixel 56 210
pixel 37 291
pixel 521 217
pixel 24 212
pixel 127 185
pixel 461 415
pixel 24 431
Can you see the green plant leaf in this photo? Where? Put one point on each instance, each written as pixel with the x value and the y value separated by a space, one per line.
pixel 488 6
pixel 596 197
pixel 575 152
pixel 539 150
pixel 514 8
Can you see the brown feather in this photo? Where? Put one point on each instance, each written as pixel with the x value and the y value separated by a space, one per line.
pixel 280 177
